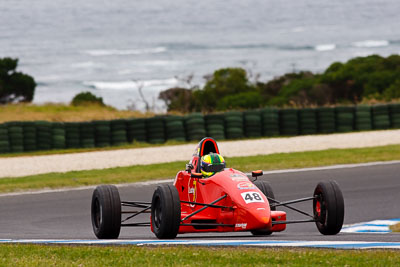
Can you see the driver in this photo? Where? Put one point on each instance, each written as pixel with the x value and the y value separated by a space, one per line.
pixel 211 164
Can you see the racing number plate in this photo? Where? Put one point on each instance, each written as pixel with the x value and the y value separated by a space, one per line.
pixel 250 197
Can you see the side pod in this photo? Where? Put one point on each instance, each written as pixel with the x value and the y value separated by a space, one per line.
pixel 278 216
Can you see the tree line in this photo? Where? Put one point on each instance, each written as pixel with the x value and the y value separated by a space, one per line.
pixel 357 80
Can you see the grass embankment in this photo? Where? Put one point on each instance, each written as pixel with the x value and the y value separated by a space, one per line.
pixel 395 228
pixel 62 113
pixel 39 255
pixel 169 170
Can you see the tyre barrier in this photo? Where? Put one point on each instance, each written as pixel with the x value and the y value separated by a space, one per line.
pixel 136 130
pixel 58 135
pixel 394 115
pixel 119 134
pixel 362 117
pixel 326 121
pixel 72 135
pixel 289 121
pixel 380 117
pixel 195 126
pixel 19 136
pixel 102 131
pixel 4 140
pixel 215 126
pixel 233 124
pixel 29 136
pixel 87 134
pixel 16 137
pixel 344 119
pixel 43 135
pixel 270 121
pixel 252 123
pixel 175 129
pixel 308 121
pixel 155 130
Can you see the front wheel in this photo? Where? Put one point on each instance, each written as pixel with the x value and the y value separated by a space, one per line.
pixel 106 212
pixel 266 188
pixel 328 207
pixel 166 212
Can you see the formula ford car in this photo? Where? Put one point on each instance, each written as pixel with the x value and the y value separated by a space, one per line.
pixel 228 201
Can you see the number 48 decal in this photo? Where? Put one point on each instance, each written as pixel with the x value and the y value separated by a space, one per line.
pixel 250 197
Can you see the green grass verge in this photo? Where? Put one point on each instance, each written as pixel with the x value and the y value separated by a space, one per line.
pixel 169 170
pixel 40 255
pixel 395 228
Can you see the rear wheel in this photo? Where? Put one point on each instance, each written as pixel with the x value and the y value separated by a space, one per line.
pixel 266 188
pixel 106 212
pixel 328 207
pixel 166 212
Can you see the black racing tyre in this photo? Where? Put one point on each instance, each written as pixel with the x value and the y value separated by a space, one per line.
pixel 328 207
pixel 166 212
pixel 266 188
pixel 106 212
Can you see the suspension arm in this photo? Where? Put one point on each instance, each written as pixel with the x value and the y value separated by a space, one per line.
pixel 208 205
pixel 290 222
pixel 203 208
pixel 278 203
pixel 290 201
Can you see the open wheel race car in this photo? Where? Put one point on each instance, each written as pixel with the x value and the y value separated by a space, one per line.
pixel 228 201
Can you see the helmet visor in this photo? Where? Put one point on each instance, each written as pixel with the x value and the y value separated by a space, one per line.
pixel 213 167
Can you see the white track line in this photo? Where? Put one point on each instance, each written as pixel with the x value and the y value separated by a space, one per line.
pixel 45 191
pixel 334 167
pixel 371 227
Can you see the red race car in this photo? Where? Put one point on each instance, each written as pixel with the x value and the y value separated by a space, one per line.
pixel 228 201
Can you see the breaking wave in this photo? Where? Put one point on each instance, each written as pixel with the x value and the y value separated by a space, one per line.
pixel 127 85
pixel 371 43
pixel 325 47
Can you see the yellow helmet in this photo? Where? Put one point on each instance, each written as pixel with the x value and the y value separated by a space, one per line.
pixel 211 164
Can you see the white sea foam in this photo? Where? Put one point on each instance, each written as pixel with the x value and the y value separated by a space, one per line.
pixel 126 85
pixel 325 47
pixel 121 52
pixel 371 43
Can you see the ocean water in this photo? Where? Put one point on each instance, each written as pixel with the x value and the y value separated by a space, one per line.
pixel 112 48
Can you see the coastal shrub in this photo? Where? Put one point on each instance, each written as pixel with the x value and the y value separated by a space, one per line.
pixel 177 99
pixel 351 82
pixel 86 98
pixel 246 100
pixel 14 86
pixel 393 91
pixel 224 82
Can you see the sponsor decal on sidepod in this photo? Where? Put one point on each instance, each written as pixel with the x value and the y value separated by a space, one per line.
pixel 241 225
pixel 246 185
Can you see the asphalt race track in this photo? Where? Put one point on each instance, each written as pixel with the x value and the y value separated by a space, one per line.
pixel 370 193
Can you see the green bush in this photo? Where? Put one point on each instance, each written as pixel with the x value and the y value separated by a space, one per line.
pixel 177 99
pixel 224 82
pixel 14 86
pixel 85 98
pixel 352 82
pixel 247 100
pixel 393 91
